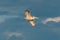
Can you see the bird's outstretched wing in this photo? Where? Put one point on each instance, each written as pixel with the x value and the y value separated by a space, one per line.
pixel 32 23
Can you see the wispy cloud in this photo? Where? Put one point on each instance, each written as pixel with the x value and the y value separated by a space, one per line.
pixel 10 34
pixel 56 19
pixel 4 17
pixel 2 20
pixel 8 16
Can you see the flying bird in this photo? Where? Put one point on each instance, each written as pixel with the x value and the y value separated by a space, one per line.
pixel 30 18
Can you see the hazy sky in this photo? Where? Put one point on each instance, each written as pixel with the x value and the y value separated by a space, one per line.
pixel 14 27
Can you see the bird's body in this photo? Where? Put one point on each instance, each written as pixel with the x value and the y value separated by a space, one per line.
pixel 30 18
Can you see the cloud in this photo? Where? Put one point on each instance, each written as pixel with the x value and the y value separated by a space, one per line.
pixel 8 16
pixel 56 19
pixel 2 20
pixel 4 17
pixel 13 33
pixel 10 34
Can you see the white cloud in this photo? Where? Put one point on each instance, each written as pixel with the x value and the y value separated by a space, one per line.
pixel 4 17
pixel 10 34
pixel 2 20
pixel 56 19
pixel 13 33
pixel 8 16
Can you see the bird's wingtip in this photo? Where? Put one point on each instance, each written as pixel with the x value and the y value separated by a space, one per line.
pixel 37 17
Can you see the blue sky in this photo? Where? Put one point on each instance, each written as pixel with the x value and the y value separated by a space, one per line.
pixel 14 27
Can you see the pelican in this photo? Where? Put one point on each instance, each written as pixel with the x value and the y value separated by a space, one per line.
pixel 30 18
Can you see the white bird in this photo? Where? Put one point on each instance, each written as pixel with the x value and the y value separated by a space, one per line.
pixel 30 18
